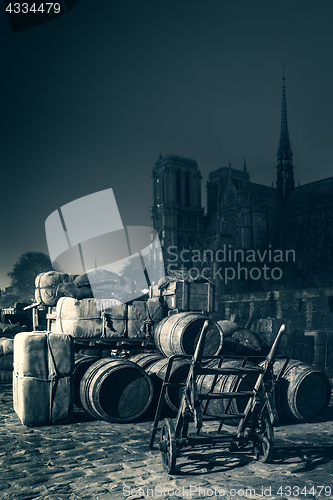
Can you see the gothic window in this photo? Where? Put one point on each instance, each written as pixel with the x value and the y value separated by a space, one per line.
pixel 178 188
pixel 159 190
pixel 215 198
pixel 191 242
pixel 180 220
pixel 187 189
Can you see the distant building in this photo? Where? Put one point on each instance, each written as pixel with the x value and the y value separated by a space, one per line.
pixel 242 214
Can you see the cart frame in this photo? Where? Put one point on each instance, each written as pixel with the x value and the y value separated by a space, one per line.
pixel 255 422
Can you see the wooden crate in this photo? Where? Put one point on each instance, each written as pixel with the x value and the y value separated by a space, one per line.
pixel 187 296
pixel 272 325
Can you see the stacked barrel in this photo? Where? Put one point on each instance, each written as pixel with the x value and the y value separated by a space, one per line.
pixel 114 388
pixel 121 389
pixel 302 388
pixel 176 334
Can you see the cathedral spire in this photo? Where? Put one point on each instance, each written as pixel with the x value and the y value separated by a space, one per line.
pixel 285 174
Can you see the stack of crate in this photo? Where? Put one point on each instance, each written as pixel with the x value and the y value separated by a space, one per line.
pixel 319 344
pixel 268 328
pixel 185 295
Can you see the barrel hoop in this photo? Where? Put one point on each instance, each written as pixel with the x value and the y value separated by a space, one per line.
pixel 92 383
pixel 99 379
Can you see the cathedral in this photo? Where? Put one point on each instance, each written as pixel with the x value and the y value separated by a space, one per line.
pixel 242 214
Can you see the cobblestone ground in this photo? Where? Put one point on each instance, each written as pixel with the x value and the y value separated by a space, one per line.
pixel 89 459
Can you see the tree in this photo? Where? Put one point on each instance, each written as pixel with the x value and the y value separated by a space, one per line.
pixel 24 273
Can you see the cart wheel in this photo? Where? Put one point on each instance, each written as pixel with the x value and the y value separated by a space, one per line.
pixel 168 445
pixel 263 445
pixel 233 446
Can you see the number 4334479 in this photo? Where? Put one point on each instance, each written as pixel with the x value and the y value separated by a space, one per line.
pixel 25 8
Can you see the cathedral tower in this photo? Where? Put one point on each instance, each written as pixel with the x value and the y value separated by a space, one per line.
pixel 177 213
pixel 285 174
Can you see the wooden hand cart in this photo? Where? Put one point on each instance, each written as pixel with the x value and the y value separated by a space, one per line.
pixel 255 425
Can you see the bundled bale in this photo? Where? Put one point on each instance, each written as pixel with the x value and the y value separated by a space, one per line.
pixel 47 285
pixel 6 363
pixel 11 330
pixel 143 316
pixel 106 284
pixel 6 346
pixel 6 376
pixel 6 360
pixel 88 318
pixel 71 290
pixel 97 283
pixel 115 319
pixel 43 390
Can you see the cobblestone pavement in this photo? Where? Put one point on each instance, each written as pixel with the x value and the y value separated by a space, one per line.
pixel 89 459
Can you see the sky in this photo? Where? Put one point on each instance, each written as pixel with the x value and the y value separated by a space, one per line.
pixel 90 99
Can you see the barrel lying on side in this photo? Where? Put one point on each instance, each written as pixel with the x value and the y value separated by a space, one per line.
pixel 145 359
pixel 179 334
pixel 178 375
pixel 304 392
pixel 81 366
pixel 156 366
pixel 212 384
pixel 115 390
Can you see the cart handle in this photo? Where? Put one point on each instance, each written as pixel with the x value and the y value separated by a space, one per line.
pixel 199 350
pixel 272 353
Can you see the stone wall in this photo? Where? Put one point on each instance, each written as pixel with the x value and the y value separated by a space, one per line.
pixel 308 309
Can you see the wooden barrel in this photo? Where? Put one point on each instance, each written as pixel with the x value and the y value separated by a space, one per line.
pixel 215 384
pixel 242 343
pixel 145 359
pixel 178 375
pixel 115 390
pixel 81 366
pixel 228 327
pixel 304 391
pixel 179 334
